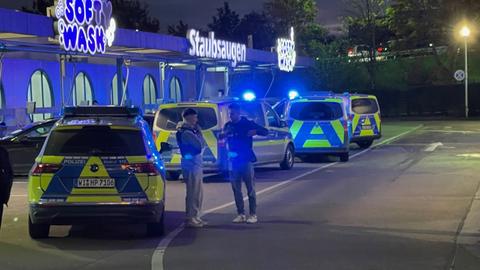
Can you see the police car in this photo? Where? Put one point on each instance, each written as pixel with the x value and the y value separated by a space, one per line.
pixel 98 164
pixel 277 147
pixel 318 123
pixel 364 116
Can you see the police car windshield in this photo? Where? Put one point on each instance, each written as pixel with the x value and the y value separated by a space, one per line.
pixel 169 118
pixel 364 106
pixel 316 111
pixel 95 141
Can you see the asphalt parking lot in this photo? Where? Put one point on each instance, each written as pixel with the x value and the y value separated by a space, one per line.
pixel 410 202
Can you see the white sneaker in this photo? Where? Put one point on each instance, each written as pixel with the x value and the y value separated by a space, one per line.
pixel 252 219
pixel 240 219
pixel 204 222
pixel 194 223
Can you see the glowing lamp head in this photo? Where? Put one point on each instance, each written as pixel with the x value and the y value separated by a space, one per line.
pixel 293 94
pixel 465 32
pixel 249 96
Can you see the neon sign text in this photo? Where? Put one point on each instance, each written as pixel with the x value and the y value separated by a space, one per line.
pixel 85 25
pixel 287 56
pixel 217 49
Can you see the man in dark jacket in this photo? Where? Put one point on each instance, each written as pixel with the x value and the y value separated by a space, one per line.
pixel 239 133
pixel 6 180
pixel 191 143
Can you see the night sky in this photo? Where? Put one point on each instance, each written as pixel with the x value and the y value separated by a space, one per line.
pixel 198 13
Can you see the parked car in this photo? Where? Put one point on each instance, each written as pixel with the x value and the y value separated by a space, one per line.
pixel 23 145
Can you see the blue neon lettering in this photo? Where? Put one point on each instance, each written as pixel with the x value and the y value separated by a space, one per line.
pixel 88 11
pixel 91 39
pixel 100 39
pixel 69 11
pixel 79 12
pixel 70 37
pixel 82 40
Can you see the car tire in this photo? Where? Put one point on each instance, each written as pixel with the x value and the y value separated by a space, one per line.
pixel 156 229
pixel 173 175
pixel 38 231
pixel 365 144
pixel 344 157
pixel 288 159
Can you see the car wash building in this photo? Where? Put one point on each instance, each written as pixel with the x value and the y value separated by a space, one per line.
pixel 78 56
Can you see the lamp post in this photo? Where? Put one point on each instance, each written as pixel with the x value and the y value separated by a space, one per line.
pixel 465 33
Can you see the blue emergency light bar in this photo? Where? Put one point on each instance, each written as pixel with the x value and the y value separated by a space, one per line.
pixel 98 111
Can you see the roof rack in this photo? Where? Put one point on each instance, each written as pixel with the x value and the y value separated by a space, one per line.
pixel 98 111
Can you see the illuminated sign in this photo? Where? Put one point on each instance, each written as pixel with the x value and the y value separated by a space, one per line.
pixel 85 25
pixel 287 56
pixel 210 47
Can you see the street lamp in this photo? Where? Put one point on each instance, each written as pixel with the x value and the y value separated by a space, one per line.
pixel 465 32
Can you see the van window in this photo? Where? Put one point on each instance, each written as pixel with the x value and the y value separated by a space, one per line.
pixel 364 106
pixel 168 119
pixel 316 111
pixel 98 140
pixel 253 111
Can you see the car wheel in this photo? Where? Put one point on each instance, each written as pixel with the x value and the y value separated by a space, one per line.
pixel 38 231
pixel 173 175
pixel 365 144
pixel 344 157
pixel 155 229
pixel 289 159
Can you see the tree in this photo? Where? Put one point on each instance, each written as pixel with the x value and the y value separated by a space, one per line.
pixel 367 25
pixel 130 14
pixel 178 30
pixel 291 13
pixel 225 23
pixel 261 29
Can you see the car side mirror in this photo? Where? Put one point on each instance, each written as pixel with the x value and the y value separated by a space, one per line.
pixel 283 124
pixel 165 147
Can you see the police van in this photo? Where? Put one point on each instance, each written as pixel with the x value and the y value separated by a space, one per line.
pixel 318 123
pixel 277 147
pixel 365 118
pixel 97 164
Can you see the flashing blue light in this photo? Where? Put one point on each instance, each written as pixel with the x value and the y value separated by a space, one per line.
pixel 249 96
pixel 293 94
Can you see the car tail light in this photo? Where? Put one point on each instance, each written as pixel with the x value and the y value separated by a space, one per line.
pixel 154 134
pixel 146 168
pixel 345 126
pixel 42 168
pixel 351 116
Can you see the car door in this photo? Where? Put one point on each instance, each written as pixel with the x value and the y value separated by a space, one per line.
pixel 254 111
pixel 276 146
pixel 25 147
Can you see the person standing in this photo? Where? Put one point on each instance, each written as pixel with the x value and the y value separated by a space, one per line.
pixel 239 132
pixel 191 143
pixel 6 180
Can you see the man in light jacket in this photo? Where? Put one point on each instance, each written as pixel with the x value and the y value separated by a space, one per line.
pixel 191 143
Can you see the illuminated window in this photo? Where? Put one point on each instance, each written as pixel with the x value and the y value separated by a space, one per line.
pixel 40 92
pixel 149 91
pixel 175 89
pixel 82 93
pixel 116 94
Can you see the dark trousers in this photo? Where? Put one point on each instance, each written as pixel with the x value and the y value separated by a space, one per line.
pixel 244 172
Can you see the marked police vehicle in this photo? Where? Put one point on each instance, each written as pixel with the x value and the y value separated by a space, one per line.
pixel 98 164
pixel 277 147
pixel 365 118
pixel 318 123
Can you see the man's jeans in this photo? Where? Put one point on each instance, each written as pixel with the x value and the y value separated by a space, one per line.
pixel 193 176
pixel 244 172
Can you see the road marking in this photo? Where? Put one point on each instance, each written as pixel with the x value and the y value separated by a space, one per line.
pixel 433 146
pixel 452 131
pixel 159 253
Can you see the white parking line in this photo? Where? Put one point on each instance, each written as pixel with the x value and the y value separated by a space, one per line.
pixel 433 146
pixel 159 253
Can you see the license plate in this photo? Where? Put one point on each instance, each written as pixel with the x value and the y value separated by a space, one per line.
pixel 95 183
pixel 367 127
